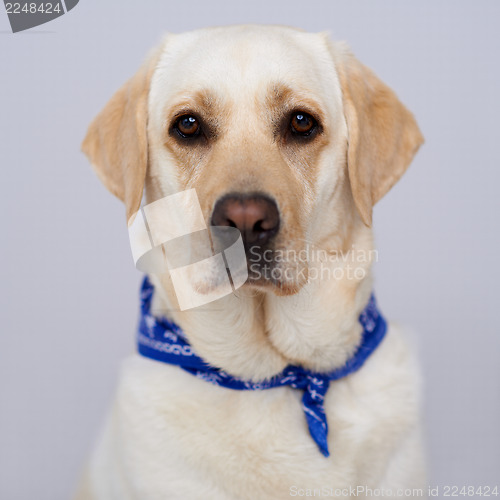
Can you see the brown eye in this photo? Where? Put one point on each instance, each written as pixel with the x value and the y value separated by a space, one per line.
pixel 302 123
pixel 187 126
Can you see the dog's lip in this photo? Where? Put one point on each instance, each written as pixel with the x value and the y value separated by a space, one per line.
pixel 278 287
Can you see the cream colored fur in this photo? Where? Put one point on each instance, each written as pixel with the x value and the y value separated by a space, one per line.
pixel 170 435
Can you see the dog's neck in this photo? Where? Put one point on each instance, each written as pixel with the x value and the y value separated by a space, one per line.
pixel 255 335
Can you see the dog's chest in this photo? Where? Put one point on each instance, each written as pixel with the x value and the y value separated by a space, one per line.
pixel 175 436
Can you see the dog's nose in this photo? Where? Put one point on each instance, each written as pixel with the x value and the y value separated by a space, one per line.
pixel 255 215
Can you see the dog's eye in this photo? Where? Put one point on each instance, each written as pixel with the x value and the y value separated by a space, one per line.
pixel 187 126
pixel 302 123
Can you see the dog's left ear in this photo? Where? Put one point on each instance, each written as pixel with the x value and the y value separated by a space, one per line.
pixel 383 135
pixel 116 142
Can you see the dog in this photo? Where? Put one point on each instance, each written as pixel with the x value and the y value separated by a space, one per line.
pixel 287 137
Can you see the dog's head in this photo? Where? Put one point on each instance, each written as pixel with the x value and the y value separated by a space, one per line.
pixel 283 134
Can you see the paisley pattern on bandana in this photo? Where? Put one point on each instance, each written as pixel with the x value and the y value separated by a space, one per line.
pixel 163 340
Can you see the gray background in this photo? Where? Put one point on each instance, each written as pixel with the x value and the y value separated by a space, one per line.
pixel 69 288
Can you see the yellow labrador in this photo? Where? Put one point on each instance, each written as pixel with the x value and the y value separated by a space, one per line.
pixel 286 136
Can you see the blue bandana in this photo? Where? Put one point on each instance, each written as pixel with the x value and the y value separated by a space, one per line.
pixel 162 340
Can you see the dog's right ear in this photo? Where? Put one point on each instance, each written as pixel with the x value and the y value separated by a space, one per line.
pixel 116 142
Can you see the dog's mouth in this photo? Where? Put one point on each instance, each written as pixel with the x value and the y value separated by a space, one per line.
pixel 268 269
pixel 226 262
pixel 265 270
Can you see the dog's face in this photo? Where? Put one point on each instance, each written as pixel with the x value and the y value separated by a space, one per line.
pixel 251 119
pixel 284 136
